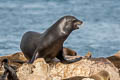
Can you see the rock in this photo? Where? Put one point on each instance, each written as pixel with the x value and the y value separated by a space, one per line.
pixel 36 71
pixel 88 79
pixel 84 67
pixel 81 70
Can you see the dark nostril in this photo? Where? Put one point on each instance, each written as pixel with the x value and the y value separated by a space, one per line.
pixel 81 22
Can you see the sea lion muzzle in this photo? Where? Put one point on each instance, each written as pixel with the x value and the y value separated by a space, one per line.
pixel 76 24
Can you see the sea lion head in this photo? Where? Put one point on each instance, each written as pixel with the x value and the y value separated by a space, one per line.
pixel 4 61
pixel 69 23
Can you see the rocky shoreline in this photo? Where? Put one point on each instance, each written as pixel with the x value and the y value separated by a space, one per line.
pixel 85 69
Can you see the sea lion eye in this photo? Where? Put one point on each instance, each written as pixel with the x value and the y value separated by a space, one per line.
pixel 73 19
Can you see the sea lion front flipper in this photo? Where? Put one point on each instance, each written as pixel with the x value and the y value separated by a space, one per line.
pixel 63 60
pixel 61 57
pixel 34 57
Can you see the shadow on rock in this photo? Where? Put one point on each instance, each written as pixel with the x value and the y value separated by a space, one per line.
pixel 75 78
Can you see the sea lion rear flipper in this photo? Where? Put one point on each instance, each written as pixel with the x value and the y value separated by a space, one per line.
pixel 34 57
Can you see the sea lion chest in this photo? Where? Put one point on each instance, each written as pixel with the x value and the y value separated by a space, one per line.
pixel 50 47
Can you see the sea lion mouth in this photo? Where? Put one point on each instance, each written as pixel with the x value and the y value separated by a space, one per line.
pixel 77 24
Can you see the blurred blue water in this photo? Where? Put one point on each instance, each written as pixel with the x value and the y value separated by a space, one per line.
pixel 99 34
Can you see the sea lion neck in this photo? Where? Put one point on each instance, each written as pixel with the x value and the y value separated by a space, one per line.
pixel 59 28
pixel 54 32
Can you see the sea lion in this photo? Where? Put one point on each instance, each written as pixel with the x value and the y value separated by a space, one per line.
pixel 69 52
pixel 115 59
pixel 10 72
pixel 49 44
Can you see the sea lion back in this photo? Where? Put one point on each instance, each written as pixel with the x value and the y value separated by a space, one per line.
pixel 29 43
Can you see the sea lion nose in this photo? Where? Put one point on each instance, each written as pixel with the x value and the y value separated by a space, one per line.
pixel 80 22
